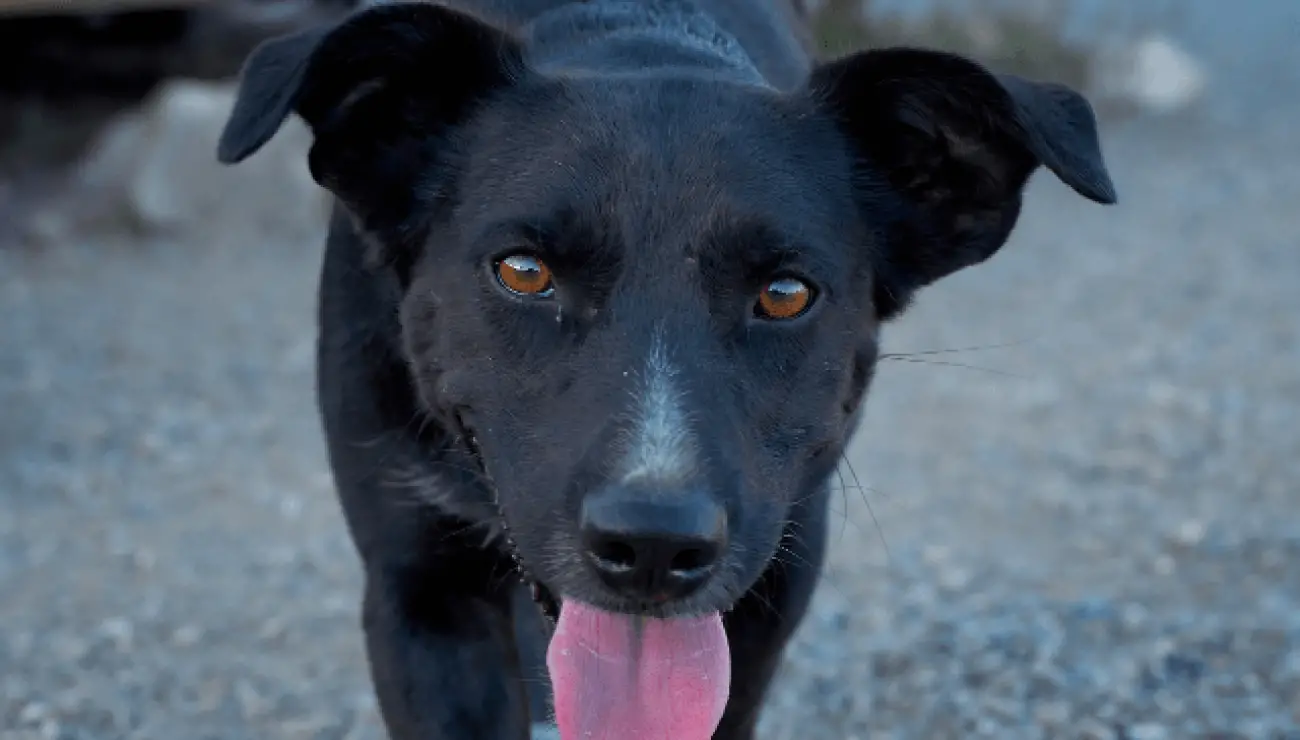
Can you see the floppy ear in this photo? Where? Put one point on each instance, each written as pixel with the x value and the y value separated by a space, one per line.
pixel 958 144
pixel 379 92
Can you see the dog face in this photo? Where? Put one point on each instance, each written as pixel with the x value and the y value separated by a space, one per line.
pixel 651 303
pixel 622 312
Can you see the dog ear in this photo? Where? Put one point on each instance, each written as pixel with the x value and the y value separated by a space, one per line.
pixel 379 91
pixel 958 144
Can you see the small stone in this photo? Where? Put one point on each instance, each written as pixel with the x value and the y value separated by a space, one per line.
pixel 150 443
pixel 67 702
pixel 251 704
pixel 120 632
pixel 954 579
pixel 144 560
pixel 1133 616
pixel 119 543
pixel 1190 533
pixel 21 643
pixel 1291 666
pixel 1091 729
pixel 70 649
pixel 187 635
pixel 290 507
pixel 33 713
pixel 271 629
pixel 337 603
pixel 545 732
pixel 1148 731
pixel 935 555
pixel 1170 704
pixel 48 226
pixel 1164 565
pixel 305 727
pixel 1052 713
pixel 281 557
pixel 1163 393
pixel 210 695
pixel 1272 558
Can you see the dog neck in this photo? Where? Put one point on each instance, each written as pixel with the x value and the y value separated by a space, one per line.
pixel 637 38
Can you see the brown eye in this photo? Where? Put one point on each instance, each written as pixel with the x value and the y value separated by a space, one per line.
pixel 525 275
pixel 784 298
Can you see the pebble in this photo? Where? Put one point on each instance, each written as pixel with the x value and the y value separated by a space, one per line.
pixel 252 703
pixel 1092 729
pixel 1148 732
pixel 1190 533
pixel 187 635
pixel 1134 616
pixel 33 713
pixel 120 632
pixel 272 629
pixel 1164 565
pixel 1053 714
pixel 69 648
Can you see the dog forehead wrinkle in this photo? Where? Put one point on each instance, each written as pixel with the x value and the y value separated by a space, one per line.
pixel 661 449
pixel 636 37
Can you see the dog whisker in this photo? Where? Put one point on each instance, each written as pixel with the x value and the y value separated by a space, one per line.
pixel 844 495
pixel 953 350
pixel 785 550
pixel 944 363
pixel 829 575
pixel 926 357
pixel 870 510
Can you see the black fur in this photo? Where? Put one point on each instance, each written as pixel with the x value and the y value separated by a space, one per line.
pixel 666 159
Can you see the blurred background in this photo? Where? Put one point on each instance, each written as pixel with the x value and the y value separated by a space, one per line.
pixel 1072 510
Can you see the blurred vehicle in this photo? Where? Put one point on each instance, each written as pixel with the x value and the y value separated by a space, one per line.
pixel 124 47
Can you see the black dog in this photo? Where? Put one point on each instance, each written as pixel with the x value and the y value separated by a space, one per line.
pixel 600 304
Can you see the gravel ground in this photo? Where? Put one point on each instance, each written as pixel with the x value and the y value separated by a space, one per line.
pixel 1087 527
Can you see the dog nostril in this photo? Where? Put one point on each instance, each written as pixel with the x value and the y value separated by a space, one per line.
pixel 615 555
pixel 652 548
pixel 690 560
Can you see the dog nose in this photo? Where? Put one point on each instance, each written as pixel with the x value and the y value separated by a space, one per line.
pixel 653 548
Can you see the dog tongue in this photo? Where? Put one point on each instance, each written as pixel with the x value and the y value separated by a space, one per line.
pixel 623 678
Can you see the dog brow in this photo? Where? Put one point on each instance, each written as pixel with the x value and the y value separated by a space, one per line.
pixel 661 449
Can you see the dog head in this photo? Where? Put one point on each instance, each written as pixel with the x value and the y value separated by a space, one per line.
pixel 652 300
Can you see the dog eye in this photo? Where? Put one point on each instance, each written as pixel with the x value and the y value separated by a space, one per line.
pixel 525 275
pixel 784 298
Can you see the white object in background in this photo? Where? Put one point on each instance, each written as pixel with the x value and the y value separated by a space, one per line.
pixel 1152 73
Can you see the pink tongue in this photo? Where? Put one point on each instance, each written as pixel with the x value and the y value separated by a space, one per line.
pixel 620 678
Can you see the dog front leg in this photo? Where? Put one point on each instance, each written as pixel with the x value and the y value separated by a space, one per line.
pixel 445 666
